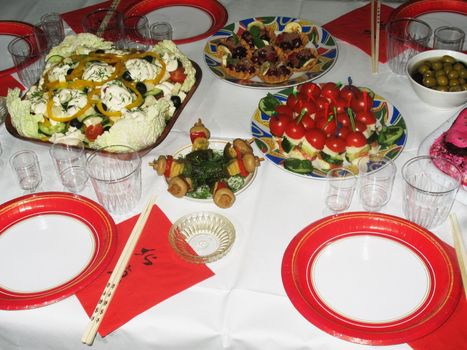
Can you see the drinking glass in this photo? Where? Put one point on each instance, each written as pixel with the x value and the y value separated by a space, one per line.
pixel 341 184
pixel 115 173
pixel 28 53
pixel 136 31
pixel 25 164
pixel 376 175
pixel 106 24
pixel 431 185
pixel 449 38
pixel 70 164
pixel 161 31
pixel 52 25
pixel 405 38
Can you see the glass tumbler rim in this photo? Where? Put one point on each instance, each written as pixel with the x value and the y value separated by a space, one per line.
pixel 459 30
pixel 406 19
pixel 102 151
pixel 457 179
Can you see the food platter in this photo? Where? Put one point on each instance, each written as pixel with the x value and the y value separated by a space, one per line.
pixel 14 28
pixel 371 278
pixel 217 145
pixel 214 9
pixel 385 112
pixel 321 39
pixel 11 129
pixel 32 223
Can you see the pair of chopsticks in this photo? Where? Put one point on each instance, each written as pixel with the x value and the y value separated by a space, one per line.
pixel 115 277
pixel 460 250
pixel 375 24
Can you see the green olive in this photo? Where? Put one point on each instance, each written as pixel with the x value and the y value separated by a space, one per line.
pixel 448 59
pixel 437 65
pixel 455 88
pixel 429 81
pixel 463 73
pixel 428 74
pixel 439 73
pixel 442 88
pixel 464 86
pixel 453 74
pixel 453 82
pixel 442 80
pixel 423 68
pixel 458 66
pixel 447 67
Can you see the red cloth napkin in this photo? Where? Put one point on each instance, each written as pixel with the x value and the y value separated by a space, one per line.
pixel 355 28
pixel 73 18
pixel 154 273
pixel 8 82
pixel 452 335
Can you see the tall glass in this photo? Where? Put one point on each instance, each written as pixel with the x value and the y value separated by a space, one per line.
pixel 106 24
pixel 115 173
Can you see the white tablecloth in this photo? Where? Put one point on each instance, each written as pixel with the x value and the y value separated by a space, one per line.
pixel 244 306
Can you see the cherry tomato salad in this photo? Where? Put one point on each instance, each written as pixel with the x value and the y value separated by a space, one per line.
pixel 311 128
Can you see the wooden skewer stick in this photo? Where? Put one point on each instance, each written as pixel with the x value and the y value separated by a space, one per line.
pixel 115 277
pixel 378 21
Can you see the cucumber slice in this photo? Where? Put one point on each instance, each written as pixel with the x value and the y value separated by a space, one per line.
pixel 153 92
pixel 54 59
pixel 331 160
pixel 299 166
pixel 286 144
pixel 48 129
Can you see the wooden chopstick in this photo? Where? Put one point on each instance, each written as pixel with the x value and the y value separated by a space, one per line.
pixel 105 21
pixel 375 29
pixel 115 277
pixel 460 249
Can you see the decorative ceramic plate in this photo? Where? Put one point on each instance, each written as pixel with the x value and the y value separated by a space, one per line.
pixel 217 145
pixel 371 278
pixel 321 39
pixel 212 8
pixel 40 234
pixel 9 30
pixel 385 112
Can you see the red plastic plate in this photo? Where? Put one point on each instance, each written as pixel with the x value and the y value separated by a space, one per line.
pixel 213 8
pixel 14 28
pixel 87 219
pixel 371 278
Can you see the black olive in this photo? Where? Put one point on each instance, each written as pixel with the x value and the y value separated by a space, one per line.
pixel 76 123
pixel 99 51
pixel 104 106
pixel 176 100
pixel 148 58
pixel 127 76
pixel 69 71
pixel 141 87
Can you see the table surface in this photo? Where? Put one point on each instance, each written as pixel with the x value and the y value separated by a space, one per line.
pixel 244 306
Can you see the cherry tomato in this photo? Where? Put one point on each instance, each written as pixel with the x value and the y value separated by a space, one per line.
pixel 178 75
pixel 278 123
pixel 92 131
pixel 355 139
pixel 349 92
pixel 343 131
pixel 304 107
pixel 366 117
pixel 335 144
pixel 321 103
pixel 328 126
pixel 343 118
pixel 359 126
pixel 309 91
pixel 284 109
pixel 294 130
pixel 330 91
pixel 292 100
pixel 340 104
pixel 316 137
pixel 307 121
pixel 363 103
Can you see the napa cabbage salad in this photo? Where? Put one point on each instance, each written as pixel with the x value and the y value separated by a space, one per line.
pixel 91 91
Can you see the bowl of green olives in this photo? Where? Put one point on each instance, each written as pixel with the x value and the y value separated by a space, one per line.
pixel 439 77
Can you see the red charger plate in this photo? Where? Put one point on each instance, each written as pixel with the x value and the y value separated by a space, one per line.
pixel 299 276
pixel 417 8
pixel 82 209
pixel 14 28
pixel 213 8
